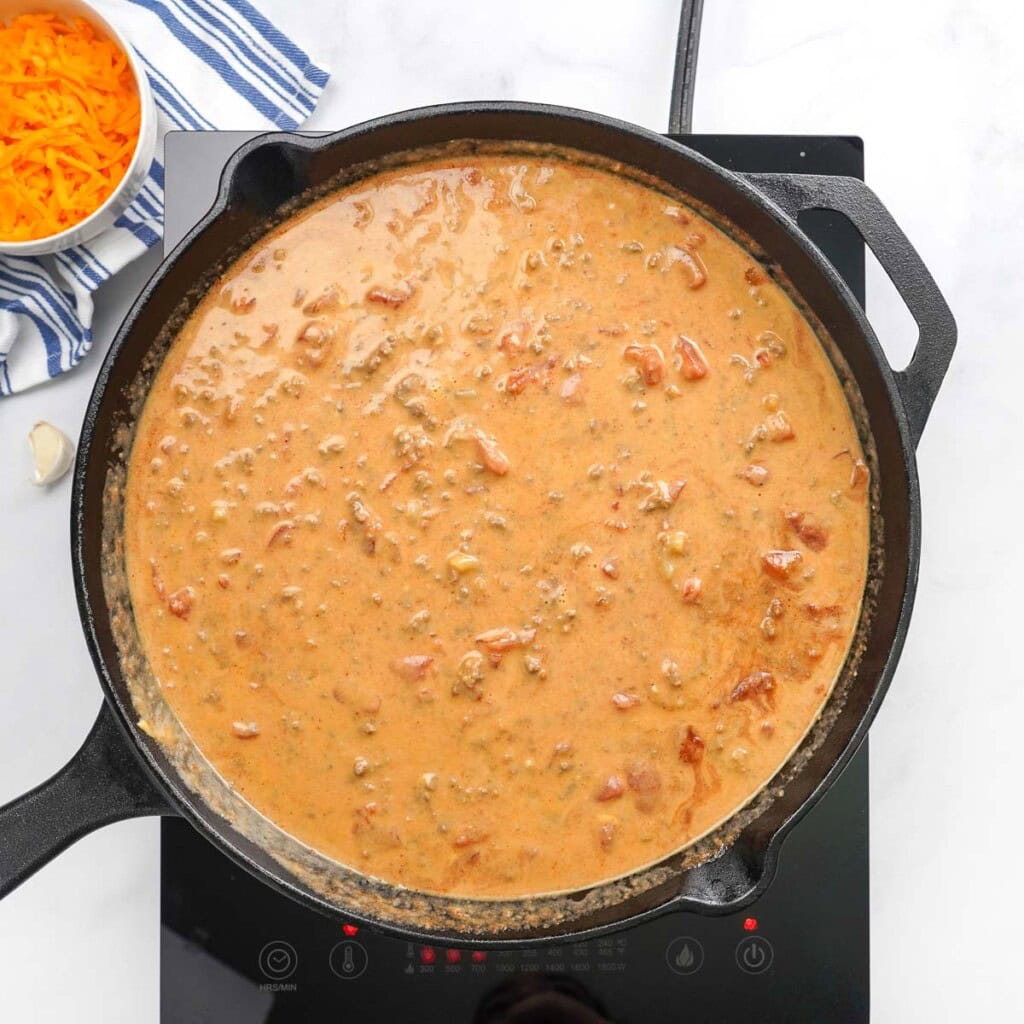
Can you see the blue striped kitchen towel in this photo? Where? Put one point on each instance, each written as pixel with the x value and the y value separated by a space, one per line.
pixel 212 64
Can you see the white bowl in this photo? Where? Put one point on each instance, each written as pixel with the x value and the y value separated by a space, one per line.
pixel 145 149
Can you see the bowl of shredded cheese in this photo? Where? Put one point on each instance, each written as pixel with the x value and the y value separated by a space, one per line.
pixel 77 125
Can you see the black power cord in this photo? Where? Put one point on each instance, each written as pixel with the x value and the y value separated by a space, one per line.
pixel 680 114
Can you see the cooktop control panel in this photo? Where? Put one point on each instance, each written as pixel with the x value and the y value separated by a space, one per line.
pixel 233 950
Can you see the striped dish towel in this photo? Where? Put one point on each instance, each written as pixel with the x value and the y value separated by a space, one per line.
pixel 212 64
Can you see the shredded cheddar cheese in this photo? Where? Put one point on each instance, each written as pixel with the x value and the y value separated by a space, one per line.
pixel 69 123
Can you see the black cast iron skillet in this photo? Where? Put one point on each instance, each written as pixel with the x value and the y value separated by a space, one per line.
pixel 120 772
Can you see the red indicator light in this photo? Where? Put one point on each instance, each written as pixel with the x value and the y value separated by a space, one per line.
pixel 453 956
pixel 351 930
pixel 478 956
pixel 427 954
pixel 750 924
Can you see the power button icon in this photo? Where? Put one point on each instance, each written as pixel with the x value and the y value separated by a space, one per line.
pixel 754 954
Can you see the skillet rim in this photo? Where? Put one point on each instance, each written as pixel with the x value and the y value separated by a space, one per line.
pixel 90 453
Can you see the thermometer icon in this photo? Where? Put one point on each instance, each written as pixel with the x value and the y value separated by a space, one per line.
pixel 349 960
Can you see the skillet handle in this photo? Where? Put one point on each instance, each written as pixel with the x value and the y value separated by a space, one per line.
pixel 102 783
pixel 919 381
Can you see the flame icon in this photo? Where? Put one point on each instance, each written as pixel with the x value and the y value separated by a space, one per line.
pixel 685 957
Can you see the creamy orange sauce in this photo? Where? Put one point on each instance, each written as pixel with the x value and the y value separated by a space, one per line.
pixel 497 526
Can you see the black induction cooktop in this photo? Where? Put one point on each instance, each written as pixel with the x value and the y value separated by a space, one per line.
pixel 233 951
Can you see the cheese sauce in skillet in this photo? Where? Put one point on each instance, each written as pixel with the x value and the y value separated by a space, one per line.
pixel 497 526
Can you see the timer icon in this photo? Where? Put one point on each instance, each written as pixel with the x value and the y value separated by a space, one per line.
pixel 278 960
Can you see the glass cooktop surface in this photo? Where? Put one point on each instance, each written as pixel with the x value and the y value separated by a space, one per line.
pixel 235 952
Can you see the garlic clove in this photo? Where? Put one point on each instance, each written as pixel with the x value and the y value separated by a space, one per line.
pixel 52 453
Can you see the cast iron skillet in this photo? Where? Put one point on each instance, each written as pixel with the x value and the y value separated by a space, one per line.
pixel 120 772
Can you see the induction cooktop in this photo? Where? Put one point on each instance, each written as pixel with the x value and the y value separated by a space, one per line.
pixel 233 951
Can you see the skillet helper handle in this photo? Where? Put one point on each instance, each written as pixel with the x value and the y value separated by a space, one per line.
pixel 102 783
pixel 919 381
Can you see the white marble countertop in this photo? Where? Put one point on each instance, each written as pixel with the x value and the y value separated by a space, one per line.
pixel 936 93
